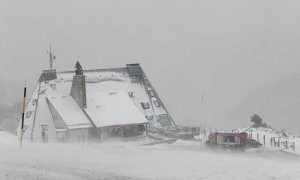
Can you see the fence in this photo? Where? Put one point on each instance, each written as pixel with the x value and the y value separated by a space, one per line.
pixel 274 141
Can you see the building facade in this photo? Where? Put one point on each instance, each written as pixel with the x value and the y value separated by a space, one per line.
pixel 94 104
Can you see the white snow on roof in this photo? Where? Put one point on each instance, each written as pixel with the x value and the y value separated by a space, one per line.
pixel 112 109
pixel 70 112
pixel 94 77
pixel 108 81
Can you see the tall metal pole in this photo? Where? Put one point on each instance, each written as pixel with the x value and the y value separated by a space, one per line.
pixel 23 115
pixel 51 57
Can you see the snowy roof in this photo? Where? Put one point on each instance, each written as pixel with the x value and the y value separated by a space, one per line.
pixel 70 112
pixel 112 109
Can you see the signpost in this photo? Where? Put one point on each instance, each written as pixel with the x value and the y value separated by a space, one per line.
pixel 23 114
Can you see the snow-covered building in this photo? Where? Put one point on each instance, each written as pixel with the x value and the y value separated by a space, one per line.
pixel 93 105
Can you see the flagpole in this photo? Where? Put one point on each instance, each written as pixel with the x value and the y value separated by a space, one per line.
pixel 23 115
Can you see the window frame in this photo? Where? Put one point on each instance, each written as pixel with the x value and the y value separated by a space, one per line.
pixel 145 105
pixel 151 92
pixel 156 103
pixel 28 114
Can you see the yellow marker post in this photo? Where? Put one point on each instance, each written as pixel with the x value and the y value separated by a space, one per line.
pixel 23 115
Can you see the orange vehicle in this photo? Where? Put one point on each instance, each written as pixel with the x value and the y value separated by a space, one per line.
pixel 230 140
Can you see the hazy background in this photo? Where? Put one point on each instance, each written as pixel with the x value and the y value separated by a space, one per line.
pixel 242 55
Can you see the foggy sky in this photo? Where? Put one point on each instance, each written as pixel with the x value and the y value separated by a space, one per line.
pixel 222 49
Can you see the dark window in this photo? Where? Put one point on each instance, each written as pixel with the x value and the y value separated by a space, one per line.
pixel 34 101
pixel 149 117
pixel 164 120
pixel 151 93
pixel 156 103
pixel 44 127
pixel 28 114
pixel 229 139
pixel 42 91
pixel 145 105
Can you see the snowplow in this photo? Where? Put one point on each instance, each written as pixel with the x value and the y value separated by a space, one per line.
pixel 231 140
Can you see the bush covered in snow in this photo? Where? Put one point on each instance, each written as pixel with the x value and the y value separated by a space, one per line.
pixel 258 121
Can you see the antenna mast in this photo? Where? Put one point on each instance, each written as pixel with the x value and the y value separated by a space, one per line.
pixel 51 58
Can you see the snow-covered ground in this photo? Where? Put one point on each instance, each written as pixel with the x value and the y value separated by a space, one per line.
pixel 126 160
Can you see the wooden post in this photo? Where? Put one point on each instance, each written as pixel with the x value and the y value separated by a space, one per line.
pixel 286 144
pixel 294 146
pixel 278 142
pixel 257 137
pixel 271 141
pixel 264 139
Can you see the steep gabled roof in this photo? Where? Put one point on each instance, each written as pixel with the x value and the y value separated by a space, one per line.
pixel 113 109
pixel 69 112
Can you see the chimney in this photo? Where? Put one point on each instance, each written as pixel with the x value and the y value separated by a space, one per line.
pixel 78 90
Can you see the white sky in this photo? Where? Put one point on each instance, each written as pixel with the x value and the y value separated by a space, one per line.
pixel 223 49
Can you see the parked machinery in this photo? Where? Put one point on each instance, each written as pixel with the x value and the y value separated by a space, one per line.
pixel 231 140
